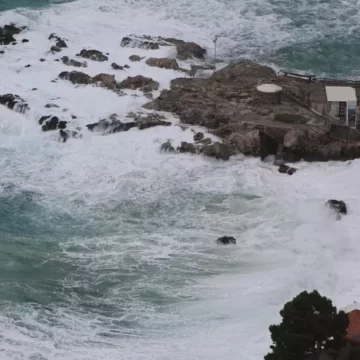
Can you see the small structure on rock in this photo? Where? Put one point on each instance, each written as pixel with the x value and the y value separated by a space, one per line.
pixel 270 92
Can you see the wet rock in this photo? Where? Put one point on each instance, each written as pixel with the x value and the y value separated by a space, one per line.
pixel 71 62
pixel 218 150
pixel 61 43
pixel 338 205
pixel 111 125
pixel 105 80
pixel 51 106
pixel 247 143
pixel 76 77
pixel 167 147
pixel 28 65
pixel 148 95
pixel 135 58
pixel 55 49
pixel 52 36
pixel 205 141
pixel 14 102
pixel 163 63
pixel 284 169
pixel 7 34
pixel 64 135
pixel 185 50
pixel 198 136
pixel 126 66
pixel 2 52
pixel 50 123
pixel 24 40
pixel 94 55
pixel 139 82
pixel 147 123
pixel 186 147
pixel 226 240
pixel 294 138
pixel 42 60
pixel 34 89
pixel 115 66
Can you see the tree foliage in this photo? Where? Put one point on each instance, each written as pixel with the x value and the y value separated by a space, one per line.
pixel 310 324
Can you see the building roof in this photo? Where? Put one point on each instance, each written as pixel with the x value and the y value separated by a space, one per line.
pixel 340 93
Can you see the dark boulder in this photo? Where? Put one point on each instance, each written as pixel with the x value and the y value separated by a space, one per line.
pixel 64 135
pixel 163 63
pixel 138 82
pixel 284 169
pixel 226 240
pixel 14 102
pixel 105 80
pixel 24 40
pixel 135 58
pixel 187 50
pixel 337 205
pixel 76 77
pixel 144 42
pixel 71 62
pixel 111 125
pixel 7 34
pixel 198 136
pixel 95 55
pixel 167 147
pixel 55 49
pixel 115 66
pixel 186 147
pixel 61 43
pixel 50 123
pixel 218 150
pixel 51 106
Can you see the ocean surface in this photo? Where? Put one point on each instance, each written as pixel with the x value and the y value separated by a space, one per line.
pixel 107 246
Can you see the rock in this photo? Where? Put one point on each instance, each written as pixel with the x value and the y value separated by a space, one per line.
pixel 126 66
pixel 167 147
pixel 52 36
pixel 42 60
pixel 338 205
pixel 7 34
pixel 135 58
pixel 72 62
pixel 24 40
pixel 185 50
pixel 2 52
pixel 28 65
pixel 150 120
pixel 247 143
pixel 163 63
pixel 61 43
pixel 51 106
pixel 115 66
pixel 55 49
pixel 218 150
pixel 284 169
pixel 14 102
pixel 205 141
pixel 50 123
pixel 95 55
pixel 64 135
pixel 76 77
pixel 198 136
pixel 139 82
pixel 186 147
pixel 293 139
pixel 111 125
pixel 226 240
pixel 105 80
pixel 148 95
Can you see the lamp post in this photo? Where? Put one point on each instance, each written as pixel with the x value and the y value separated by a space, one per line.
pixel 215 43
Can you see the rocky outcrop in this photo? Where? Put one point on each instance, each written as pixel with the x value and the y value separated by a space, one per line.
pixel 59 45
pixel 105 80
pixel 226 240
pixel 7 34
pixel 111 125
pixel 71 62
pixel 218 151
pixel 135 58
pixel 338 205
pixel 49 123
pixel 139 82
pixel 198 136
pixel 14 102
pixel 64 135
pixel 185 50
pixel 284 169
pixel 167 147
pixel 94 55
pixel 115 66
pixel 76 77
pixel 151 120
pixel 163 63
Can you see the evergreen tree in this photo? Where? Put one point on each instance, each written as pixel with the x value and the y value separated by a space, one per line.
pixel 310 324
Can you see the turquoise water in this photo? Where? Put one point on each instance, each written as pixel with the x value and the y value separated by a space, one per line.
pixel 13 4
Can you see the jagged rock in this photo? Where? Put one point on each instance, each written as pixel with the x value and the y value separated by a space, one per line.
pixel 135 58
pixel 284 169
pixel 51 123
pixel 338 205
pixel 28 65
pixel 198 136
pixel 185 50
pixel 51 106
pixel 95 55
pixel 42 60
pixel 205 141
pixel 218 150
pixel 7 34
pixel 64 135
pixel 52 36
pixel 72 62
pixel 167 147
pixel 148 95
pixel 115 66
pixel 14 102
pixel 186 147
pixel 247 143
pixel 55 49
pixel 163 63
pixel 139 82
pixel 293 139
pixel 111 125
pixel 76 77
pixel 25 40
pixel 226 240
pixel 105 80
pixel 61 43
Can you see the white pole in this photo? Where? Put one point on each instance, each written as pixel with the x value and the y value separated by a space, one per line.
pixel 215 41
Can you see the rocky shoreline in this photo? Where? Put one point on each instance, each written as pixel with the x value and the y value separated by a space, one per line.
pixel 225 102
